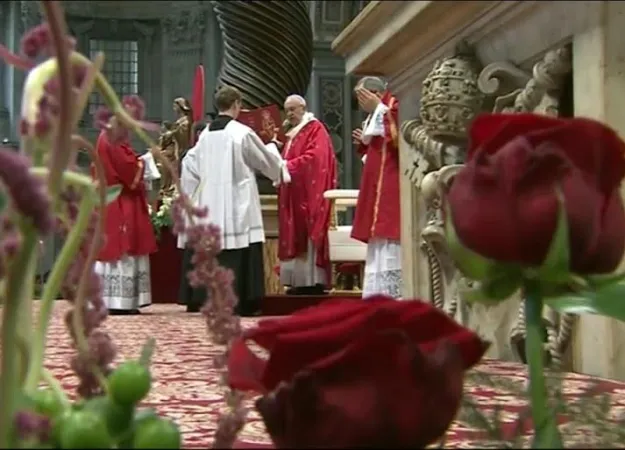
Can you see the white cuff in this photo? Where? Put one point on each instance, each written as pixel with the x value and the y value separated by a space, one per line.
pixel 285 176
pixel 364 158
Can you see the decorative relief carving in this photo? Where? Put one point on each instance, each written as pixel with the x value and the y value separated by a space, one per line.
pixel 186 26
pixel 30 14
pixel 452 95
pixel 330 19
pixel 449 100
pixel 331 101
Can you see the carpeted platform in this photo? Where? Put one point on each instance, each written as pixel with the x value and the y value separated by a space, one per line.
pixel 185 385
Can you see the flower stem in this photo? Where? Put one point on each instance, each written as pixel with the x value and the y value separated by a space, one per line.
pixel 53 285
pixel 17 291
pixel 56 387
pixel 546 434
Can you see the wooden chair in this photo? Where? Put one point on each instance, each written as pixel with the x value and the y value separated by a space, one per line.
pixel 344 250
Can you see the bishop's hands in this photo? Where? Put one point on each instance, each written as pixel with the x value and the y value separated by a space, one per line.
pixel 367 100
pixel 357 136
pixel 275 139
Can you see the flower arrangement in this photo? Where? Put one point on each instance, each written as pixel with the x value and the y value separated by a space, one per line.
pixel 162 217
pixel 536 208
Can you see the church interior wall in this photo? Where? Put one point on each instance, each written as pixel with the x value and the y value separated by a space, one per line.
pixel 170 40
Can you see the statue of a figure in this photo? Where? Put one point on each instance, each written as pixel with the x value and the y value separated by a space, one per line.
pixel 175 140
pixel 170 150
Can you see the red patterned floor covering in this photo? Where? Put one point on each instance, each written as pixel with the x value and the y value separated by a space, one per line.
pixel 185 386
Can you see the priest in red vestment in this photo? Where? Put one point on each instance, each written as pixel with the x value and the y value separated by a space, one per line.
pixel 123 262
pixel 304 214
pixel 377 219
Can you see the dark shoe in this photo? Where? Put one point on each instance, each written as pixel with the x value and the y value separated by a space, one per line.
pixel 193 308
pixel 124 312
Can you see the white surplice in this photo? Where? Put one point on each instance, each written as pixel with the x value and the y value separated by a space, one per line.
pixel 218 173
pixel 303 270
pixel 383 274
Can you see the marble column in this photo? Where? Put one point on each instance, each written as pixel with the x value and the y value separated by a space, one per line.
pixel 599 92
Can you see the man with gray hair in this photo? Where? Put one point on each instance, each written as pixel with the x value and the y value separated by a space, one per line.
pixel 376 221
pixel 304 214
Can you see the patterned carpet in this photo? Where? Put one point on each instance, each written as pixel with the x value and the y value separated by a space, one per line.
pixel 185 385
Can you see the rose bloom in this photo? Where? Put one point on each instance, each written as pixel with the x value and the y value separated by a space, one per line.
pixel 349 373
pixel 504 203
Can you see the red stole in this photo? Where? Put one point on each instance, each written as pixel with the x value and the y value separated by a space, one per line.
pixel 303 211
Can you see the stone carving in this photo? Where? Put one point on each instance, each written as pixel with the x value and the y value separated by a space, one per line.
pixel 450 99
pixel 331 96
pixel 268 49
pixel 437 139
pixel 186 26
pixel 30 14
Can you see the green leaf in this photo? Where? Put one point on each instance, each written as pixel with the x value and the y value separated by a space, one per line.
pixel 112 192
pixel 471 264
pixel 493 290
pixel 606 301
pixel 557 261
pixel 3 201
pixel 147 351
pixel 548 435
pixel 598 281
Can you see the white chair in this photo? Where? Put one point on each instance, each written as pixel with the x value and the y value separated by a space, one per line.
pixel 343 248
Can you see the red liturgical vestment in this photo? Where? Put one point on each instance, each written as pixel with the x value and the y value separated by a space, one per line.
pixel 304 214
pixel 128 230
pixel 377 210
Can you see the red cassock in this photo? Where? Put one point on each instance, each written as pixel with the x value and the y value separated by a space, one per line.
pixel 303 212
pixel 377 210
pixel 128 228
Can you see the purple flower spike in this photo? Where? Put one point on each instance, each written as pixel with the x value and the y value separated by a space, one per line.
pixel 27 192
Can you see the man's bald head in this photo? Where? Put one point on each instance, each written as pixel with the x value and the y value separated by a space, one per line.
pixel 295 108
pixel 372 84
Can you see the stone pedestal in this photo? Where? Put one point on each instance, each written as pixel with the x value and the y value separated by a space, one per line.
pixel 529 46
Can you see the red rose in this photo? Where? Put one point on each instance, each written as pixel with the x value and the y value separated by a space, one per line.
pixel 504 203
pixel 354 373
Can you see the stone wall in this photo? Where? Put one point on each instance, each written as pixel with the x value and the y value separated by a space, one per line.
pixel 174 37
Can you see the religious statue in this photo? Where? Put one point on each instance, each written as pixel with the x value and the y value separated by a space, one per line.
pixel 175 140
pixel 170 150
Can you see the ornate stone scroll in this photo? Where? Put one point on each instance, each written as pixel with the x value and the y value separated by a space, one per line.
pixel 452 94
pixel 268 49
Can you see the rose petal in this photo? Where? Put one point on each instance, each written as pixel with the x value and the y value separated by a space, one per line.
pixel 382 391
pixel 607 252
pixel 490 132
pixel 592 146
pixel 294 344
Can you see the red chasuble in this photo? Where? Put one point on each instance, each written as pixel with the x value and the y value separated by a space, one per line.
pixel 377 210
pixel 128 227
pixel 303 212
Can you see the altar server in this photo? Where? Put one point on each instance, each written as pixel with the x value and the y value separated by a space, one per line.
pixel 219 173
pixel 123 262
pixel 377 217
